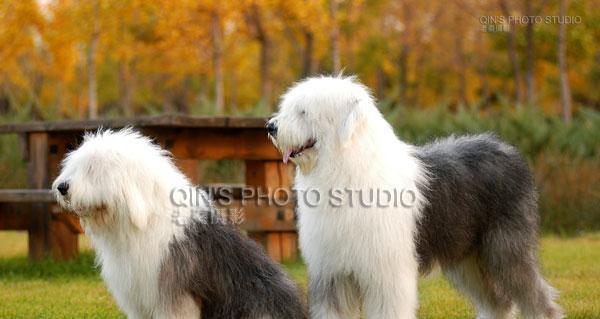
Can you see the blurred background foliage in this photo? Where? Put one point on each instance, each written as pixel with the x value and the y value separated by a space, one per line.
pixel 437 68
pixel 130 57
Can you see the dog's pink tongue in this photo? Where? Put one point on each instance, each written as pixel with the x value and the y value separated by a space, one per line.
pixel 286 156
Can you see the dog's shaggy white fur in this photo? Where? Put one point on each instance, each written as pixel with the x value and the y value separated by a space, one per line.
pixel 160 257
pixel 471 210
pixel 375 247
pixel 119 184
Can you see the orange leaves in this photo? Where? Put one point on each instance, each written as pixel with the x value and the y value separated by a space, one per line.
pixel 20 26
pixel 154 53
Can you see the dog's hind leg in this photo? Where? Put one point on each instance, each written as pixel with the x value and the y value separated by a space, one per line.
pixel 509 256
pixel 468 278
pixel 334 298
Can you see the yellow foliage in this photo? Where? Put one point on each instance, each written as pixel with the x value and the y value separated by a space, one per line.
pixel 156 53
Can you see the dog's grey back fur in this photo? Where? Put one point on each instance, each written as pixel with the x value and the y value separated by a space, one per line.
pixel 481 217
pixel 229 274
pixel 476 184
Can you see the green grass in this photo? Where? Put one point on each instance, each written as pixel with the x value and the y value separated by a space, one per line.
pixel 74 289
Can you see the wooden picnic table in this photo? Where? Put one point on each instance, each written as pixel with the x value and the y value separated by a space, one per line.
pixel 189 139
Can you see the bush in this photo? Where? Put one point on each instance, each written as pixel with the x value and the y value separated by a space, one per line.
pixel 565 157
pixel 12 168
pixel 569 192
pixel 531 131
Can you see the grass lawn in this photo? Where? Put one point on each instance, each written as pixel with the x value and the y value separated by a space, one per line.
pixel 74 289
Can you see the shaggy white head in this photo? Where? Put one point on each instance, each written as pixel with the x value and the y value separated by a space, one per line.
pixel 117 177
pixel 320 118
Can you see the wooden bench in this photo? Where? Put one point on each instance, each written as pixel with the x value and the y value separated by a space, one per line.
pixel 189 139
pixel 16 213
pixel 53 234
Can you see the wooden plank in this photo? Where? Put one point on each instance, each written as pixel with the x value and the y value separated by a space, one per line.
pixel 259 217
pixel 218 144
pixel 289 244
pixel 190 168
pixel 217 191
pixel 255 216
pixel 69 220
pixel 39 221
pixel 270 176
pixel 26 196
pixel 47 237
pixel 64 241
pixel 45 195
pixel 247 122
pixel 64 228
pixel 273 245
pixel 173 121
pixel 251 216
pixel 14 216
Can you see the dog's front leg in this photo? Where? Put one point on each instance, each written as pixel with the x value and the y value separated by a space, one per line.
pixel 186 307
pixel 392 298
pixel 334 298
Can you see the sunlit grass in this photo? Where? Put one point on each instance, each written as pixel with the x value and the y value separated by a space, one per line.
pixel 75 290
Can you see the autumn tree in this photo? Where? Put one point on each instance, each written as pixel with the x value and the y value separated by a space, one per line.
pixel 21 81
pixel 255 15
pixel 565 90
pixel 111 58
pixel 513 55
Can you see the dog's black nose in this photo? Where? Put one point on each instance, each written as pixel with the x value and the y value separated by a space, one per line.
pixel 63 188
pixel 271 128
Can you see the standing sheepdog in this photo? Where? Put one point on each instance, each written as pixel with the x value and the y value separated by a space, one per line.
pixel 465 204
pixel 122 187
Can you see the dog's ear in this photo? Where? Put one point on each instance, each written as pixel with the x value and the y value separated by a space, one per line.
pixel 351 124
pixel 137 209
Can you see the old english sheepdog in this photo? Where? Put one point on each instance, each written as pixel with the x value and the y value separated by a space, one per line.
pixel 466 204
pixel 122 187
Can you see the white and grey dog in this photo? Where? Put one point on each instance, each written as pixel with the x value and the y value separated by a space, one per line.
pixel 159 260
pixel 466 204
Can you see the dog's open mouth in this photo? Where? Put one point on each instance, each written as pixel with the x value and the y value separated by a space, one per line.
pixel 293 153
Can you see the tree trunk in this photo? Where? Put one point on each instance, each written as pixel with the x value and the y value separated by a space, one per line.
pixel 462 67
pixel 217 56
pixel 307 54
pixel 380 83
pixel 530 57
pixel 265 66
pixel 565 91
pixel 513 55
pixel 92 53
pixel 403 76
pixel 126 87
pixel 334 34
pixel 254 19
pixel 233 92
pixel 167 103
pixel 481 66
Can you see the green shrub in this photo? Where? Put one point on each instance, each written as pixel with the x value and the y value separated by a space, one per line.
pixel 565 158
pixel 533 132
pixel 13 170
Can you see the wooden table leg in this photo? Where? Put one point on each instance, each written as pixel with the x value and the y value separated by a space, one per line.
pixel 48 237
pixel 64 238
pixel 39 223
pixel 271 175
